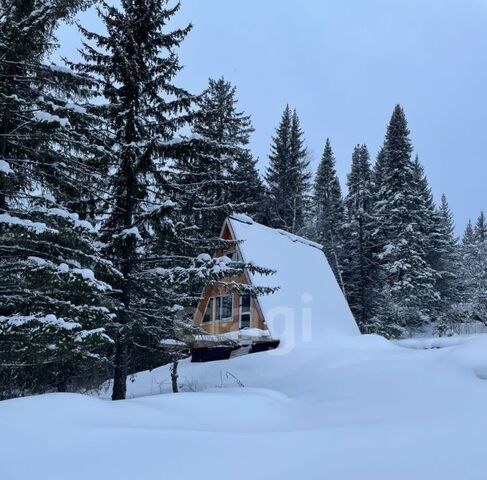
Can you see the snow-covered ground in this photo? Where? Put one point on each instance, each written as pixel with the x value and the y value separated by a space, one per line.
pixel 424 343
pixel 356 408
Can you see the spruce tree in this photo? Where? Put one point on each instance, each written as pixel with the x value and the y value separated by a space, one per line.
pixel 469 235
pixel 378 172
pixel 146 229
pixel 328 212
pixel 249 191
pixel 467 253
pixel 55 311
pixel 358 263
pixel 287 176
pixel 408 281
pixel 53 304
pixel 480 231
pixel 448 265
pixel 425 206
pixel 234 183
pixel 473 262
pixel 429 224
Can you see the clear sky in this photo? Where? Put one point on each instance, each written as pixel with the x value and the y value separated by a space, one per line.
pixel 344 64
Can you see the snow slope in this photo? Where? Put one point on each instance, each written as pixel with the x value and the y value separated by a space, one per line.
pixel 309 304
pixel 355 408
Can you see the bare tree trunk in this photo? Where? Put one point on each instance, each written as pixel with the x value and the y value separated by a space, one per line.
pixel 62 384
pixel 174 375
pixel 120 371
pixel 128 254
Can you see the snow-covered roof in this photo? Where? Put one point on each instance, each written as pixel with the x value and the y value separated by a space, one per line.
pixel 309 303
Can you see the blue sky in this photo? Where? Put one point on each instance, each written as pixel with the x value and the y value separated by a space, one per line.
pixel 344 64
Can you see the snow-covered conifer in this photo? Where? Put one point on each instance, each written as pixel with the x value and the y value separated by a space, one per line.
pixel 233 184
pixel 448 265
pixel 53 302
pixel 473 271
pixel 407 280
pixel 328 212
pixel 480 231
pixel 358 261
pixel 288 176
pixel 146 229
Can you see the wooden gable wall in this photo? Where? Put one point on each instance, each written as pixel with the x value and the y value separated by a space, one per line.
pixel 221 327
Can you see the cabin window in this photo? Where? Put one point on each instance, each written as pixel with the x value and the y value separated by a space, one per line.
pixel 208 317
pixel 245 311
pixel 224 308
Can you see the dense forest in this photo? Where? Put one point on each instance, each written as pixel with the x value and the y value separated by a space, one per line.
pixel 115 181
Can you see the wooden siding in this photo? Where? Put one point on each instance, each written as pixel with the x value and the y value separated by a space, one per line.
pixel 221 327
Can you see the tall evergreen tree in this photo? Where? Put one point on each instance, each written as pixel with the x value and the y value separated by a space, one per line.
pixel 358 263
pixel 249 191
pixel 408 281
pixel 38 100
pixel 378 172
pixel 53 308
pixel 435 238
pixel 480 231
pixel 135 63
pixel 145 229
pixel 425 207
pixel 469 235
pixel 234 184
pixel 329 212
pixel 473 271
pixel 288 176
pixel 447 244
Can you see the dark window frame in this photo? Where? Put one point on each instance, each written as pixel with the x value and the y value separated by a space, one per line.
pixel 245 312
pixel 209 309
pixel 218 309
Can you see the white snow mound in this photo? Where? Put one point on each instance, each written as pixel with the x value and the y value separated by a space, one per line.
pixel 309 305
pixel 352 408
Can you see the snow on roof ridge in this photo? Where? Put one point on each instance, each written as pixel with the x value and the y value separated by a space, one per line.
pixel 243 218
pixel 297 238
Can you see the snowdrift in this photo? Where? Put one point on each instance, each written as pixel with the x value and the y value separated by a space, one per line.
pixel 355 408
pixel 309 305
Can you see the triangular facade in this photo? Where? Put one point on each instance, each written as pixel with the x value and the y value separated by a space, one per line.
pixel 307 306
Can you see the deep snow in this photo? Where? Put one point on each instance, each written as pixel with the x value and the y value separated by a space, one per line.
pixel 357 408
pixel 309 305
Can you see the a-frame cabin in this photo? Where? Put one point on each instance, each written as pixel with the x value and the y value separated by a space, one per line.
pixel 307 305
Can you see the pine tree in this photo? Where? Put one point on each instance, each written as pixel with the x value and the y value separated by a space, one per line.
pixel 329 212
pixel 145 230
pixel 234 184
pixel 53 307
pixel 408 281
pixel 288 176
pixel 358 263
